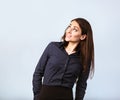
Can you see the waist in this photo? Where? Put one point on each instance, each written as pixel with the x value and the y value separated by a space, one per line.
pixel 58 83
pixel 56 90
pixel 56 93
pixel 62 88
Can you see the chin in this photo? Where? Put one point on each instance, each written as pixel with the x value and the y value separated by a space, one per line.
pixel 67 40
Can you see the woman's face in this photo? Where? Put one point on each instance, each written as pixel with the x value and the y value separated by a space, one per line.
pixel 73 32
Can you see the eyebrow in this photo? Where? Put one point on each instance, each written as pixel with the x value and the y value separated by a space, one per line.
pixel 75 26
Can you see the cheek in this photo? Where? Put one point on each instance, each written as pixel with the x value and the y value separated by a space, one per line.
pixel 76 36
pixel 67 37
pixel 67 30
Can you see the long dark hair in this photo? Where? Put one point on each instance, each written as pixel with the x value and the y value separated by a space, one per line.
pixel 86 45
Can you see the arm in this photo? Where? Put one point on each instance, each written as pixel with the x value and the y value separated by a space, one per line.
pixel 39 72
pixel 81 85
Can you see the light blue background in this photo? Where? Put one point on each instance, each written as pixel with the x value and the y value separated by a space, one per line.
pixel 27 26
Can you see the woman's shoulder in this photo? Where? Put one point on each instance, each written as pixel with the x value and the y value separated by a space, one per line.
pixel 53 44
pixel 56 43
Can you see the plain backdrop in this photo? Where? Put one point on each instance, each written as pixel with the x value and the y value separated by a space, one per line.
pixel 27 26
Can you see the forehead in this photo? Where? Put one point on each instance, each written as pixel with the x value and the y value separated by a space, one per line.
pixel 75 24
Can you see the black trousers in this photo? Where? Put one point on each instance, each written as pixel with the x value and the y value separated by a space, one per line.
pixel 55 93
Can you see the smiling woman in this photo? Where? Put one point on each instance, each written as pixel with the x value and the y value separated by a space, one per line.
pixel 73 36
pixel 65 63
pixel 73 32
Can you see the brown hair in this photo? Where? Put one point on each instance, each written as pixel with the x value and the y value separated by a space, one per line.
pixel 86 45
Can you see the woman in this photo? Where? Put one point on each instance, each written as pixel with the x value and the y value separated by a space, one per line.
pixel 64 63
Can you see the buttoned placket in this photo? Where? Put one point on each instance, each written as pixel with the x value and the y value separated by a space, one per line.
pixel 66 63
pixel 68 56
pixel 65 67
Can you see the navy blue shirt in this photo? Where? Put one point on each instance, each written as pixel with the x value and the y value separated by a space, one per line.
pixel 60 69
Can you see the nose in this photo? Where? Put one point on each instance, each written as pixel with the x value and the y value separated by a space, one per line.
pixel 68 30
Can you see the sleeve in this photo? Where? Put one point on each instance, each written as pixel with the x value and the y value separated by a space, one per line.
pixel 81 85
pixel 39 72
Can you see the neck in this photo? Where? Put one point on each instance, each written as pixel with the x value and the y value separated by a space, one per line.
pixel 71 46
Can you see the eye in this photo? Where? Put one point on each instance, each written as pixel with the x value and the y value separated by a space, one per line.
pixel 75 30
pixel 69 26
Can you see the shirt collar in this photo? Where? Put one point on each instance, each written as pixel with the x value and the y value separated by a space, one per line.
pixel 62 44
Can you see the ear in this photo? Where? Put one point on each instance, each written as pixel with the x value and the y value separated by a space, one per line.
pixel 83 37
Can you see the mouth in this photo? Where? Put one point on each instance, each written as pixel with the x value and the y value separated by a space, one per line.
pixel 68 36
